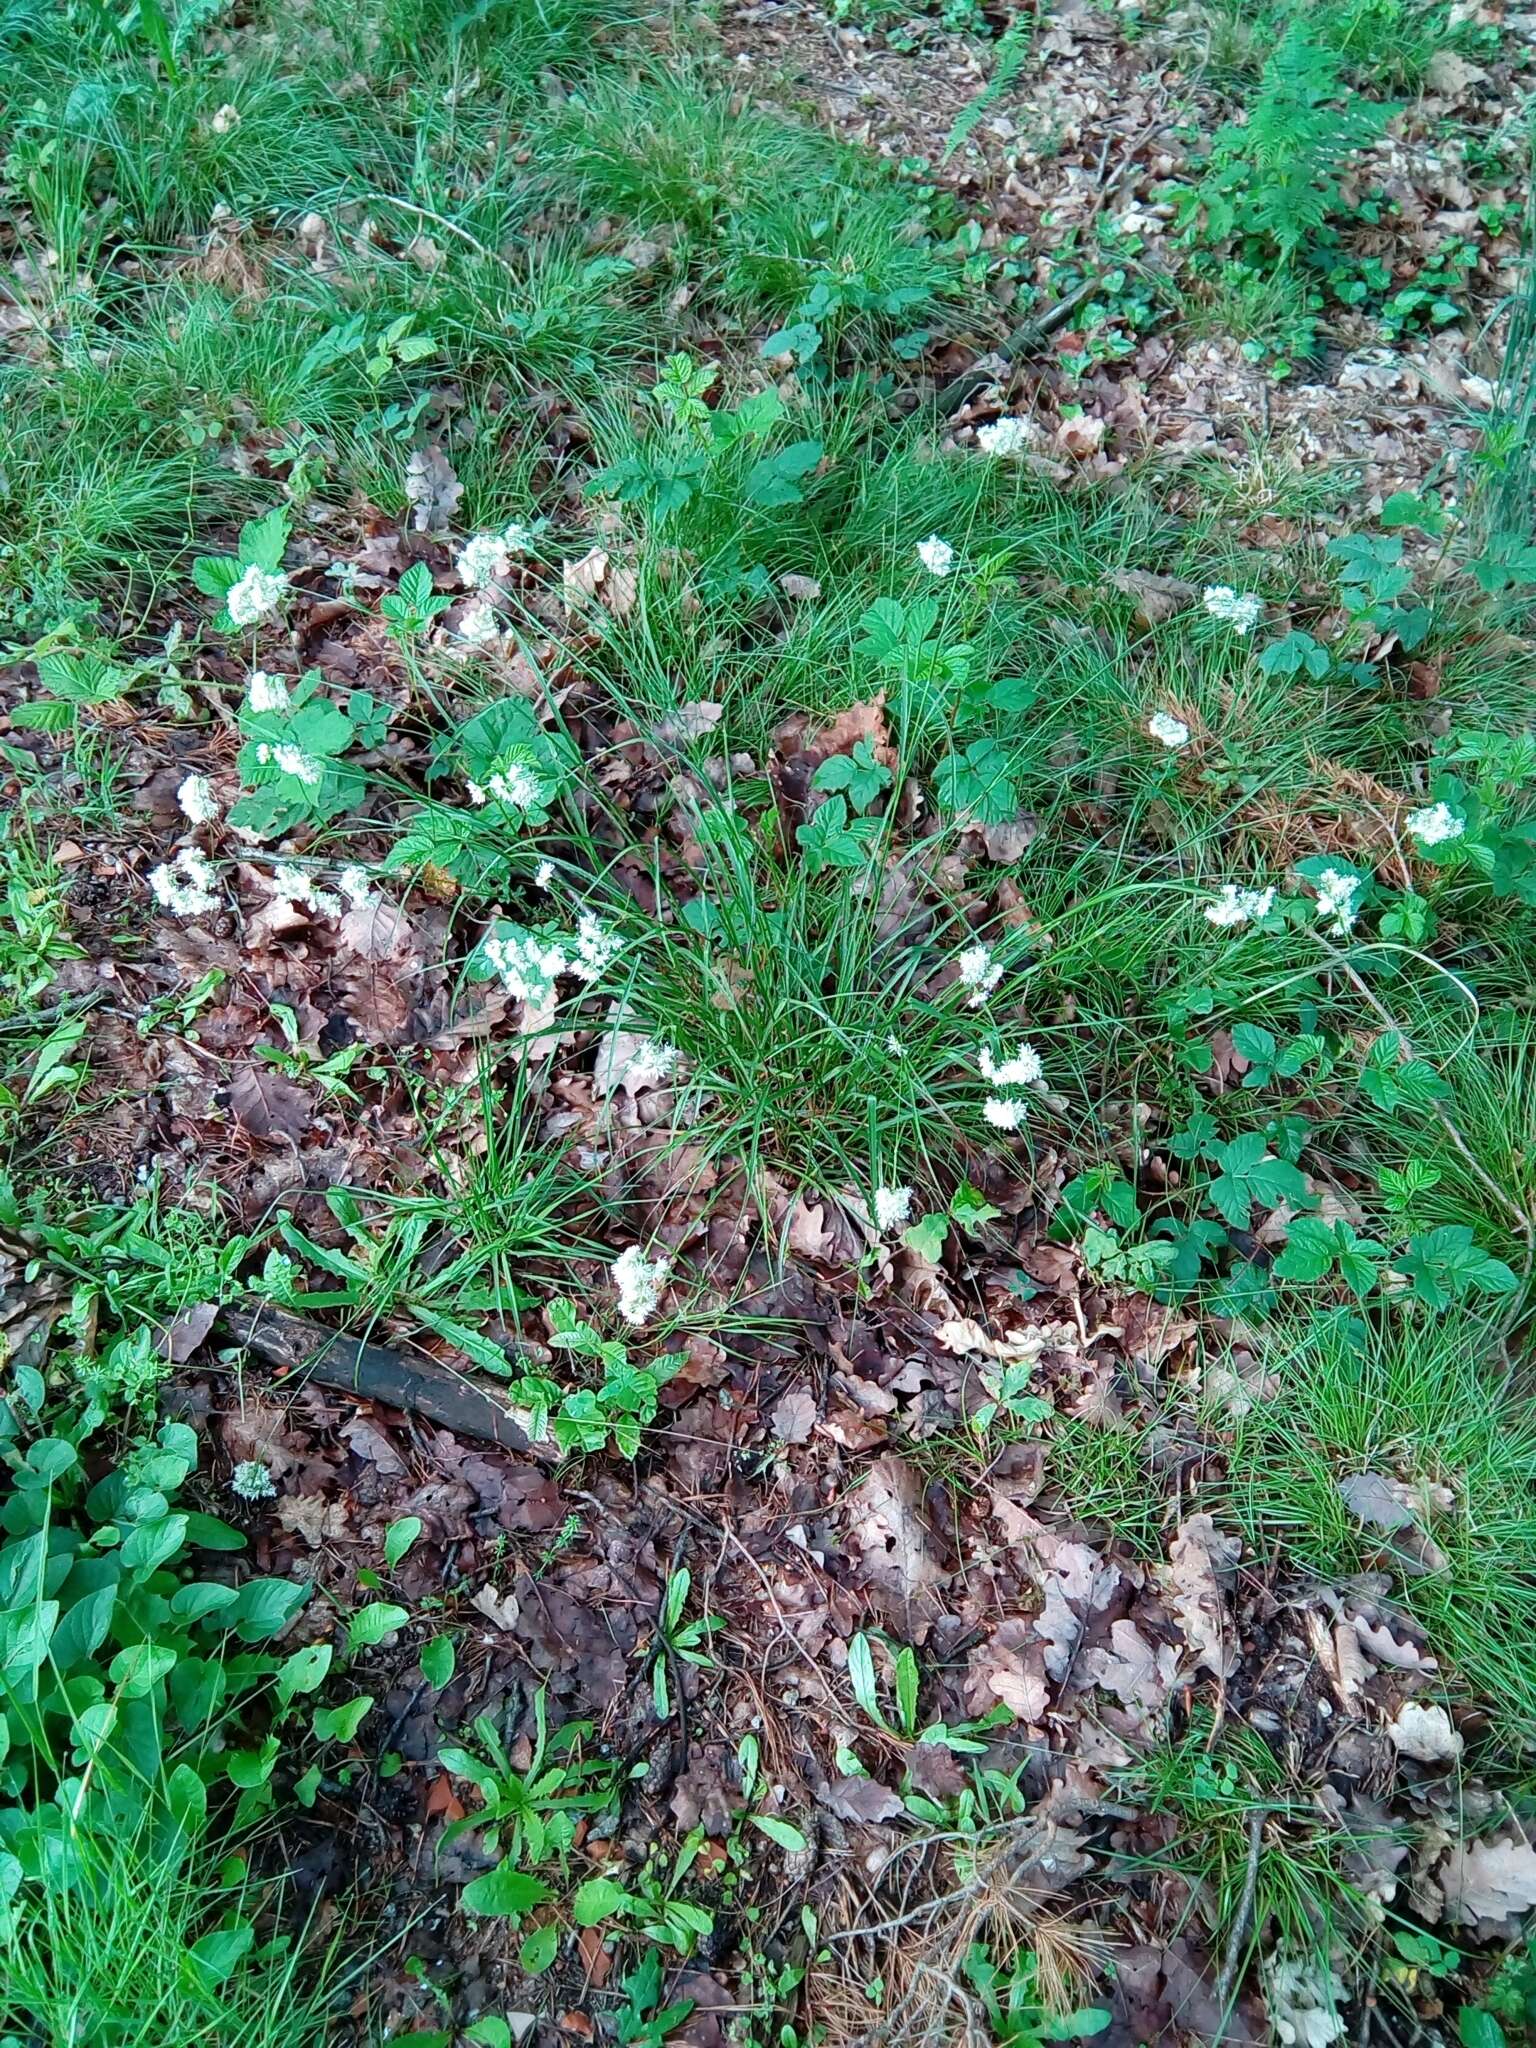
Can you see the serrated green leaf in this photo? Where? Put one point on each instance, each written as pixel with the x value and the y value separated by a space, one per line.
pixel 505 1893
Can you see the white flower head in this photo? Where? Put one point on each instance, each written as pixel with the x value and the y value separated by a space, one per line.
pixel 356 885
pixel 528 966
pixel 295 762
pixel 1005 1113
pixel 1024 1070
pixel 478 625
pixel 1235 906
pixel 1338 899
pixel 1435 825
pixel 254 595
pixel 482 560
pixel 639 1282
pixel 1168 731
pixel 980 973
pixel 936 556
pixel 267 693
pixel 516 538
pixel 199 805
pixel 596 948
pixel 544 875
pixel 651 1062
pixel 185 884
pixel 294 885
pixel 252 1480
pixel 894 1046
pixel 892 1208
pixel 517 785
pixel 1012 435
pixel 1241 610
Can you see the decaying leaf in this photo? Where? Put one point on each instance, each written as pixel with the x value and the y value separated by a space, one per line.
pixel 432 490
pixel 862 1799
pixel 1489 1884
pixel 689 722
pixel 597 576
pixel 1199 1553
pixel 889 1527
pixel 268 1105
pixel 1425 1734
pixel 1139 1672
pixel 1074 1582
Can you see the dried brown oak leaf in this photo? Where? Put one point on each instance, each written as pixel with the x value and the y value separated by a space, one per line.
pixel 267 1105
pixel 597 575
pixel 432 490
pixel 862 1799
pixel 1488 1884
pixel 889 1528
pixel 1198 1557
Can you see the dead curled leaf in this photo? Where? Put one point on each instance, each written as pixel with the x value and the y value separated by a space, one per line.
pixel 1425 1734
pixel 1199 1554
pixel 1488 1884
pixel 432 490
pixel 862 1799
pixel 267 1105
pixel 890 1530
pixel 1138 1672
pixel 598 576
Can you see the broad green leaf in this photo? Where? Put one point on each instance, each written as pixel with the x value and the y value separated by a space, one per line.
pixel 340 1724
pixel 505 1893
pixel 399 1537
pixel 538 1951
pixel 304 1671
pixel 437 1661
pixel 372 1624
pixel 598 1899
pixel 780 1831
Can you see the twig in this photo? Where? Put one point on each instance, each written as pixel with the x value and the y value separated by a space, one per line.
pixel 1241 1926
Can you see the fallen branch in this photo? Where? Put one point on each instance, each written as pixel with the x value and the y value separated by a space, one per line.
pixel 302 1351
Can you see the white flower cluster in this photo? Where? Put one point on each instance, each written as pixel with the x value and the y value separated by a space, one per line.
pixel 356 884
pixel 936 556
pixel 651 1062
pixel 596 948
pixel 1337 898
pixel 892 1208
pixel 639 1282
pixel 517 785
pixel 980 973
pixel 293 761
pixel 1436 825
pixel 1236 906
pixel 251 1480
pixel 1009 436
pixel 266 693
pixel 185 884
pixel 254 595
pixel 1022 1069
pixel 199 805
pixel 1241 610
pixel 478 625
pixel 486 557
pixel 530 965
pixel 295 886
pixel 1168 731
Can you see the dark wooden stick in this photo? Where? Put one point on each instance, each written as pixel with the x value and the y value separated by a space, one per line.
pixel 302 1350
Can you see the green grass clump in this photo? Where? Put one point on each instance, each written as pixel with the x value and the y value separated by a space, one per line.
pixel 137 1947
pixel 1417 1400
